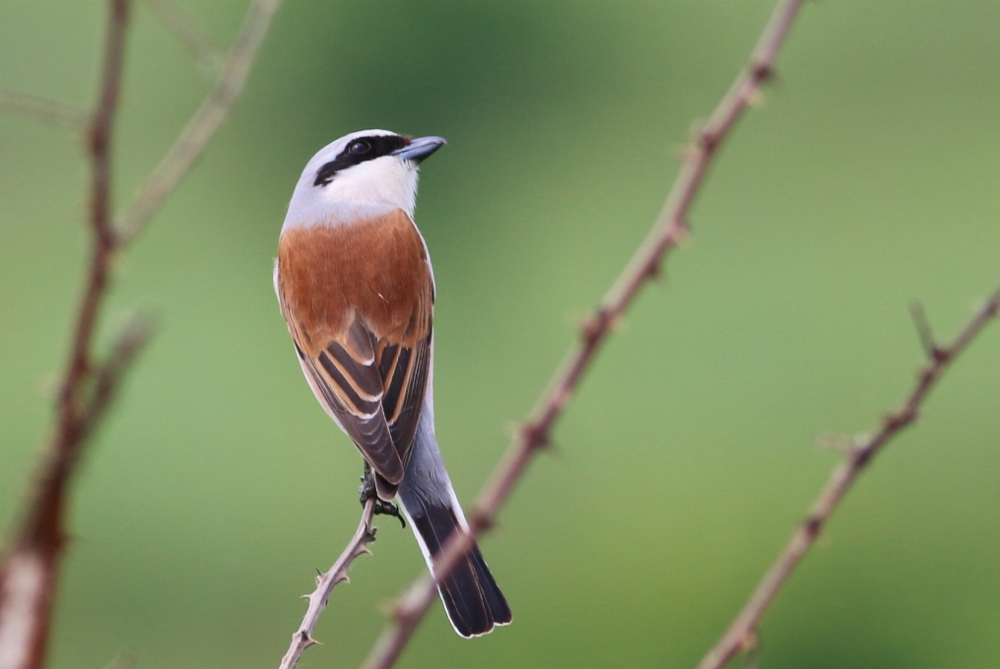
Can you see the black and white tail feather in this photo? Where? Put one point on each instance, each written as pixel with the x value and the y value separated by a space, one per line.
pixel 471 598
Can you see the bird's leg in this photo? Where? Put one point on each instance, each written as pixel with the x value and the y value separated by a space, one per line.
pixel 367 489
pixel 367 492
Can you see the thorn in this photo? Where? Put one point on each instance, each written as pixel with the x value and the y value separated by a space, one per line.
pixel 595 325
pixel 931 349
pixel 307 639
pixel 389 607
pixel 708 141
pixel 898 419
pixel 694 132
pixel 481 520
pixel 677 236
pixel 678 151
pixel 861 455
pixel 941 355
pixel 654 269
pixel 756 98
pixel 812 525
pixel 751 646
pixel 862 438
pixel 835 442
pixel 761 72
pixel 535 437
pixel 991 310
pixel 402 613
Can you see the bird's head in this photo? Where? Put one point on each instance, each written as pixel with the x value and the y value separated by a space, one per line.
pixel 367 168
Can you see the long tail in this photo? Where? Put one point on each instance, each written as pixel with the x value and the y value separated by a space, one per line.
pixel 471 597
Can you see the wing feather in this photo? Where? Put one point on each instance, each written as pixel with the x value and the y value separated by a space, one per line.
pixel 406 407
pixel 377 400
pixel 363 420
pixel 358 301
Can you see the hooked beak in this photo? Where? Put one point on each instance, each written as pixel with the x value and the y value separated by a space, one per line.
pixel 419 148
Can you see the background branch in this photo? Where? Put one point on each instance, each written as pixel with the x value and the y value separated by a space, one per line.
pixel 109 374
pixel 29 571
pixel 326 582
pixel 742 632
pixel 28 575
pixel 188 34
pixel 666 234
pixel 43 110
pixel 193 139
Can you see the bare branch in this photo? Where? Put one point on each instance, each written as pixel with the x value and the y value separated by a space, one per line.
pixel 666 234
pixel 206 121
pixel 28 576
pixel 325 583
pixel 109 375
pixel 189 35
pixel 45 111
pixel 30 568
pixel 742 630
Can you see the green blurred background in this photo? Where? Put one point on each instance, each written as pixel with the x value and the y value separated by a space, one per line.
pixel 868 178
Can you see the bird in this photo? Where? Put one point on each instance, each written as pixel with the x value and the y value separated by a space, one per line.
pixel 355 285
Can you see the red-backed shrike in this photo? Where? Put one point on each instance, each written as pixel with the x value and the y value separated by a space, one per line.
pixel 356 288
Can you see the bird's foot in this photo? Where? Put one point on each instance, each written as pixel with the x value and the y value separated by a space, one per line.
pixel 382 508
pixel 389 509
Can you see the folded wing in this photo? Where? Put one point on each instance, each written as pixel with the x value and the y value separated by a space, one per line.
pixel 358 300
pixel 375 390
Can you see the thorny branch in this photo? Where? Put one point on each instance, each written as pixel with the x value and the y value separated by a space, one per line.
pixel 326 582
pixel 857 457
pixel 30 561
pixel 666 234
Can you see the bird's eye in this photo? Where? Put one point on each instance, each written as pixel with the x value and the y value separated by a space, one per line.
pixel 359 148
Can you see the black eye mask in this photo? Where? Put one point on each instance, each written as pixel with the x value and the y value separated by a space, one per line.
pixel 358 151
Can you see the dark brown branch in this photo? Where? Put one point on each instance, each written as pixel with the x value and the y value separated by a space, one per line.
pixel 30 568
pixel 28 575
pixel 666 234
pixel 325 583
pixel 743 628
pixel 46 111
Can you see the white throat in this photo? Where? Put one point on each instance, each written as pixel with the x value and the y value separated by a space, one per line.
pixel 372 188
pixel 386 180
